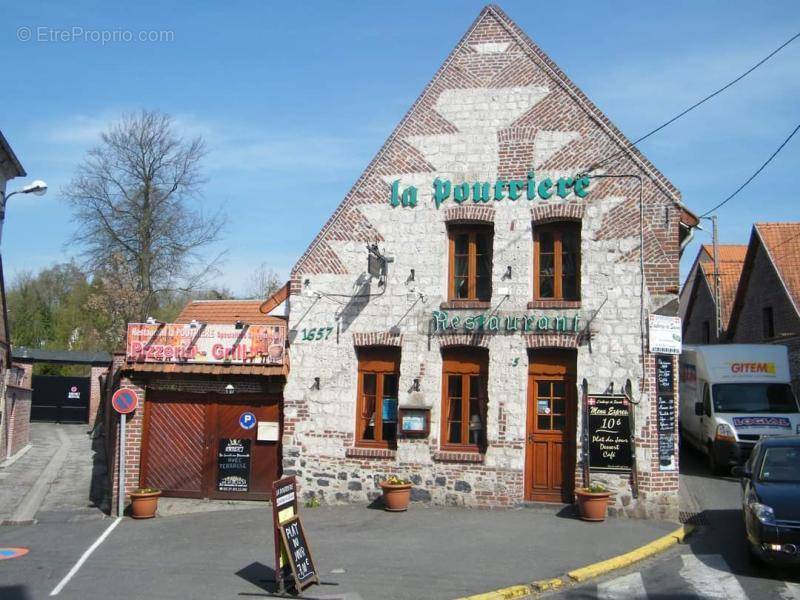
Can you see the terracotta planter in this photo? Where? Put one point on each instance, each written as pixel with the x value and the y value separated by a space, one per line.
pixel 592 505
pixel 396 497
pixel 144 506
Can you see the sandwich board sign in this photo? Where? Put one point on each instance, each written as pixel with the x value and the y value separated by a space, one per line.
pixel 292 554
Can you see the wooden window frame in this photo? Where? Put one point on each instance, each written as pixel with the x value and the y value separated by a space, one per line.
pixel 379 362
pixel 465 363
pixel 472 267
pixel 557 229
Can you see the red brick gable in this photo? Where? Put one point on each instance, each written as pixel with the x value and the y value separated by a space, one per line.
pixel 514 61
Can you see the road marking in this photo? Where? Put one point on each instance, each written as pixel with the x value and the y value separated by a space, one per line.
pixel 791 591
pixel 711 577
pixel 84 557
pixel 627 587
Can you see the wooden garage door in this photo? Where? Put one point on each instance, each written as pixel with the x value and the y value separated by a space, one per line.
pixel 175 446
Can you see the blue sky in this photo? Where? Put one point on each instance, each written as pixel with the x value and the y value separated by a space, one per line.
pixel 295 98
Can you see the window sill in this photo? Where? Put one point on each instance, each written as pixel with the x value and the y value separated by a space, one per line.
pixel 459 457
pixel 371 453
pixel 451 304
pixel 554 304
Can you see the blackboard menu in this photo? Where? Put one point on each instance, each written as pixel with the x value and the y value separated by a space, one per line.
pixel 666 413
pixel 609 433
pixel 665 375
pixel 294 541
pixel 233 465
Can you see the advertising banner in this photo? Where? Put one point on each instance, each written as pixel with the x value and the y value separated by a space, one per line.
pixel 206 343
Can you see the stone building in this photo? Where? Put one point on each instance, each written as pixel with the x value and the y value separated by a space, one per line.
pixel 698 303
pixel 767 304
pixel 500 278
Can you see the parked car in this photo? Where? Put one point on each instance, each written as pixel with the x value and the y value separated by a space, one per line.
pixel 771 499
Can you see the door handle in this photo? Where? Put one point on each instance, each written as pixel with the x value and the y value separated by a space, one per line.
pixel 530 438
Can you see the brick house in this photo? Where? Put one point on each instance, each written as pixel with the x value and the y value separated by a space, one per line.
pixel 512 278
pixel 698 298
pixel 766 308
pixel 15 382
pixel 189 412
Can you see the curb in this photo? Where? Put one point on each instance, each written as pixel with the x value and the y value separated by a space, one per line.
pixel 589 571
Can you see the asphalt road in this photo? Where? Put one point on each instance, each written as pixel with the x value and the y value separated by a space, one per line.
pixel 713 564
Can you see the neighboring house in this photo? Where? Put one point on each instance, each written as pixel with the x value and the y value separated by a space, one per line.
pixel 14 383
pixel 697 296
pixel 767 304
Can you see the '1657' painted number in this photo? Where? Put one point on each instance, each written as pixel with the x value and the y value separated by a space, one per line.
pixel 317 333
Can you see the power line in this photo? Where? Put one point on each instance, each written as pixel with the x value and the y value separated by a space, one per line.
pixel 703 101
pixel 754 175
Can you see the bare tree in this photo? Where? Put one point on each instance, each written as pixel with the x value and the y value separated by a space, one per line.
pixel 132 199
pixel 264 282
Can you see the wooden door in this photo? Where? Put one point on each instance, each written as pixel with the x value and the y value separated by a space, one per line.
pixel 174 445
pixel 551 425
pixel 263 464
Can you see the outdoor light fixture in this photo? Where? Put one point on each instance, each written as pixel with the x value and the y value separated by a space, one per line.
pixel 411 276
pixel 507 274
pixel 150 321
pixel 315 385
pixel 194 324
pixel 240 324
pixel 38 188
pixel 229 389
pixel 415 385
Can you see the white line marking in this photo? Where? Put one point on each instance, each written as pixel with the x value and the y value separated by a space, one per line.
pixel 84 557
pixel 627 587
pixel 711 577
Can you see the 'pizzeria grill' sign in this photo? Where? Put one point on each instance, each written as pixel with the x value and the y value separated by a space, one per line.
pixel 206 343
pixel 488 191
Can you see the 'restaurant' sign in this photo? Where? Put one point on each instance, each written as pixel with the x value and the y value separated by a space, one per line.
pixel 202 343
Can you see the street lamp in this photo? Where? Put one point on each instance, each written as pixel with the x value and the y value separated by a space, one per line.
pixel 38 187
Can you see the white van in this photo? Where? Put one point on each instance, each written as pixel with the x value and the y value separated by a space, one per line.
pixel 733 394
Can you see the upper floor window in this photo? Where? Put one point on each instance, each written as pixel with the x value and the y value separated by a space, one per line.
pixel 464 399
pixel 470 263
pixel 378 377
pixel 706 332
pixel 767 323
pixel 557 261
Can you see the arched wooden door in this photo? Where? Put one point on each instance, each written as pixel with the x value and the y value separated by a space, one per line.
pixel 551 426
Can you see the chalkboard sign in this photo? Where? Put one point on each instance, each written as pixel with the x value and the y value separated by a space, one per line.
pixel 233 465
pixel 666 413
pixel 665 374
pixel 609 433
pixel 294 541
pixel 666 451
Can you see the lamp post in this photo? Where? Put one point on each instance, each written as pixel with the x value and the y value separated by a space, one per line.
pixel 37 187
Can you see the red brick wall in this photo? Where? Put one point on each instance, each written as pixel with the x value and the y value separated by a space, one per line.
pixel 95 392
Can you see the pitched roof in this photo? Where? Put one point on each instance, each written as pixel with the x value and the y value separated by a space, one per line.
pixel 7 155
pixel 782 242
pixel 731 260
pixel 458 76
pixel 226 311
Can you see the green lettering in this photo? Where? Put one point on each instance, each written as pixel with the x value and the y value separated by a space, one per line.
pixel 439 321
pixel 498 189
pixel 514 189
pixel 563 184
pixel 395 199
pixel 455 322
pixel 409 196
pixel 481 192
pixel 529 323
pixel 493 323
pixel 581 185
pixel 544 188
pixel 441 191
pixel 469 323
pixel 461 192
pixel 576 323
pixel 531 185
pixel 543 323
pixel 561 324
pixel 511 323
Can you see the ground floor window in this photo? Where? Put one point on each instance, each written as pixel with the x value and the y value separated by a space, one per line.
pixel 464 399
pixel 378 376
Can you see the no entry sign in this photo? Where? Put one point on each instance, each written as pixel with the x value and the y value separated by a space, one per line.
pixel 125 400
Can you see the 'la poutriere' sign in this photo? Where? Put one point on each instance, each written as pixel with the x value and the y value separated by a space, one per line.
pixel 444 323
pixel 485 191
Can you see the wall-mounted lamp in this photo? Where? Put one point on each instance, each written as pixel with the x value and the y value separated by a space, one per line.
pixel 150 321
pixel 240 324
pixel 410 276
pixel 229 389
pixel 194 324
pixel 415 385
pixel 315 385
pixel 507 274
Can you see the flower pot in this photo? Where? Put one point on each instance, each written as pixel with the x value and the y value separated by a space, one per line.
pixel 396 497
pixel 592 505
pixel 144 504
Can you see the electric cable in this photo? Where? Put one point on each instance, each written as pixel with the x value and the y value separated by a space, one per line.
pixel 754 175
pixel 696 104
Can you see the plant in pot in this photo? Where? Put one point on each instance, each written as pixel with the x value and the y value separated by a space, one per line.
pixel 144 502
pixel 396 493
pixel 593 502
